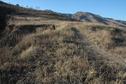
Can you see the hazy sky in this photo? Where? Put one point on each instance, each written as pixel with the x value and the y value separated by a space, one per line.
pixel 107 8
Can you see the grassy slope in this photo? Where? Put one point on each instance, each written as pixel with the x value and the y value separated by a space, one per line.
pixel 70 54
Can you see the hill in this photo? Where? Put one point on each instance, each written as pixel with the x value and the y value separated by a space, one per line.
pixel 89 17
pixel 45 47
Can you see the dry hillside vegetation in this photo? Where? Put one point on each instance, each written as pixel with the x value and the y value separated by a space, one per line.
pixel 69 53
pixel 45 47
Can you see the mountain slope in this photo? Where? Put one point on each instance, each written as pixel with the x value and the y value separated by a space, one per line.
pixel 17 10
pixel 89 17
pixel 45 47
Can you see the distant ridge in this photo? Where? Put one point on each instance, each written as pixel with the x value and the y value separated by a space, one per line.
pixel 78 16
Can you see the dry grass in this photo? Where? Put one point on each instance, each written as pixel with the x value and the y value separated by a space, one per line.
pixel 63 56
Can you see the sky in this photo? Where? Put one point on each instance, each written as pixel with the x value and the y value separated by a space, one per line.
pixel 107 8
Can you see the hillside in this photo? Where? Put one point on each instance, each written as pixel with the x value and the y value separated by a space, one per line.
pixel 89 17
pixel 44 47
